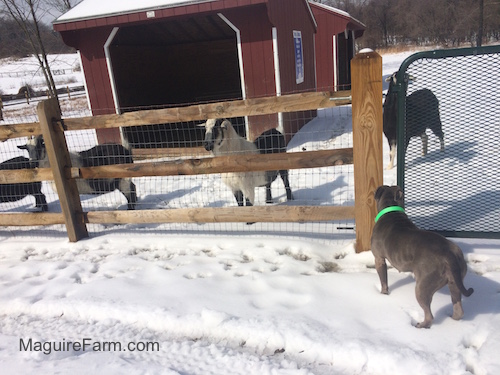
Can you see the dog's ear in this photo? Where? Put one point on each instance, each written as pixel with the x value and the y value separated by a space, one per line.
pixel 398 195
pixel 379 192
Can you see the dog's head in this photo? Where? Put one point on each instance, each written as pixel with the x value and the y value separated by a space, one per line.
pixel 387 196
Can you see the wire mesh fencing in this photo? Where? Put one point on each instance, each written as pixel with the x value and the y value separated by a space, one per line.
pixel 333 185
pixel 452 188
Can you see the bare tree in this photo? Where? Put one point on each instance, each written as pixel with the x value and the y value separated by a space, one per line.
pixel 61 5
pixel 445 22
pixel 26 14
pixel 56 7
pixel 479 42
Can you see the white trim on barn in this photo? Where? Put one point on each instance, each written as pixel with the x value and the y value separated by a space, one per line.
pixel 240 53
pixel 353 35
pixel 315 66
pixel 335 72
pixel 110 67
pixel 84 80
pixel 240 63
pixel 277 77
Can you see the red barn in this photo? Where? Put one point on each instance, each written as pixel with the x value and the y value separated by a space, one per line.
pixel 159 53
pixel 335 37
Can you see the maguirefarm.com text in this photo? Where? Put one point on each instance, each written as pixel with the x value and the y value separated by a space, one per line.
pixel 86 345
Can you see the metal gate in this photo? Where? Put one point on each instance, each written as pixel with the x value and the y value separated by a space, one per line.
pixel 456 191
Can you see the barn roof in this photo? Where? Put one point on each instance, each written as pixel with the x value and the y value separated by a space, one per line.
pixel 353 23
pixel 91 9
pixel 95 9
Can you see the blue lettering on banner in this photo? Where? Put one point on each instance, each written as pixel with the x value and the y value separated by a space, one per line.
pixel 299 57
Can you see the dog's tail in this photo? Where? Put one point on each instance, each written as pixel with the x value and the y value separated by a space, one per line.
pixel 455 269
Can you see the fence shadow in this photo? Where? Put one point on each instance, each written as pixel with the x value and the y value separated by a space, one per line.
pixel 479 303
pixel 461 212
pixel 460 151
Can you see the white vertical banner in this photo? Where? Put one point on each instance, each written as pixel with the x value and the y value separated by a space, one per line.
pixel 299 56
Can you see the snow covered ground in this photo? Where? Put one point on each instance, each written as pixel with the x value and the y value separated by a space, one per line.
pixel 163 303
pixel 18 72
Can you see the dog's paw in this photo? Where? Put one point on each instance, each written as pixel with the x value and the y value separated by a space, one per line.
pixel 424 324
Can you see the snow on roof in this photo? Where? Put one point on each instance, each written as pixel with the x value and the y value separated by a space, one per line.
pixel 336 10
pixel 98 8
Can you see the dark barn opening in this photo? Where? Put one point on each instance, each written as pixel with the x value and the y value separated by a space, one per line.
pixel 346 48
pixel 172 63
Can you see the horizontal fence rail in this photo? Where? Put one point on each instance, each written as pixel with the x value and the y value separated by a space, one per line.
pixel 199 112
pixel 264 214
pixel 183 167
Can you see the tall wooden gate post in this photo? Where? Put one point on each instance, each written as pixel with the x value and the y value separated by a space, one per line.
pixel 366 88
pixel 60 163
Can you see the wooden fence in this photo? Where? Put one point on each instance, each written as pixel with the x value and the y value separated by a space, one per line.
pixel 366 154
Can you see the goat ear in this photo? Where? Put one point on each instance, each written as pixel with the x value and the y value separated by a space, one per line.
pixel 392 78
pixel 22 147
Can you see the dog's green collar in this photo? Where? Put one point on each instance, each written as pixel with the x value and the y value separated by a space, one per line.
pixel 389 209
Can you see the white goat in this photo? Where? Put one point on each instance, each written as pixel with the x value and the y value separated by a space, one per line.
pixel 222 139
pixel 96 156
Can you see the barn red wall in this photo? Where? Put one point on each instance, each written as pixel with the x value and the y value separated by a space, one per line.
pixel 257 49
pixel 297 17
pixel 254 19
pixel 258 61
pixel 90 43
pixel 324 52
pixel 329 26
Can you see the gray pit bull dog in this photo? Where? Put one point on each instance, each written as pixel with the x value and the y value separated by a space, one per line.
pixel 434 260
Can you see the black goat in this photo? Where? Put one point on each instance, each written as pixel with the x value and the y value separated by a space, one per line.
pixel 96 156
pixel 273 142
pixel 422 112
pixel 17 191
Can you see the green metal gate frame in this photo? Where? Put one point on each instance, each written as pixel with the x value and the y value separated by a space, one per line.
pixel 400 90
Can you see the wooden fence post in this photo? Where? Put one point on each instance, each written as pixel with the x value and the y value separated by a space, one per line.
pixel 60 163
pixel 366 88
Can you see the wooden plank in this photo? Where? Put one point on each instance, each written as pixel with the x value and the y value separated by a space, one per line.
pixel 29 219
pixel 221 164
pixel 366 76
pixel 154 153
pixel 269 214
pixel 201 112
pixel 25 175
pixel 19 130
pixel 190 215
pixel 57 150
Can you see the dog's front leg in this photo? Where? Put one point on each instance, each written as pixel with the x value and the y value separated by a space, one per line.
pixel 381 267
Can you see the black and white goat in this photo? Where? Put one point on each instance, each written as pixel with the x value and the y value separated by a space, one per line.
pixel 17 191
pixel 422 112
pixel 99 155
pixel 222 139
